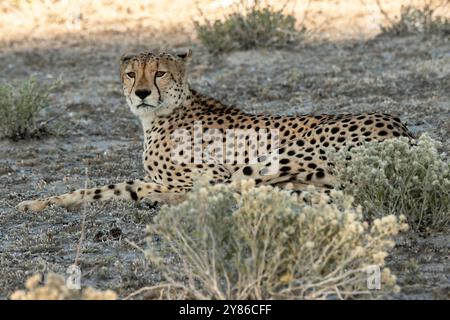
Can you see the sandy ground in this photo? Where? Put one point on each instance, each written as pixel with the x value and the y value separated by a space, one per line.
pixel 96 140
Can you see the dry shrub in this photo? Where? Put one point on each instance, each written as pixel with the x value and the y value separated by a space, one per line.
pixel 241 242
pixel 419 19
pixel 55 288
pixel 19 107
pixel 253 25
pixel 397 177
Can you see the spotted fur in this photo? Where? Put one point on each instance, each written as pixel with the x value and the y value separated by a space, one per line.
pixel 157 91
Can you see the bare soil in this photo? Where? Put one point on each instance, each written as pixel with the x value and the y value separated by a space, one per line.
pixel 94 139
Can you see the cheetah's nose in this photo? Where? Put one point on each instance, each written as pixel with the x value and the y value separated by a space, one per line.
pixel 142 93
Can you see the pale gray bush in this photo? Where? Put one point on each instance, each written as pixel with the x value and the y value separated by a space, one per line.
pixel 54 288
pixel 397 177
pixel 241 242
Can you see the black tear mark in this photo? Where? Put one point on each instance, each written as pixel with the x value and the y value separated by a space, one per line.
pixel 154 82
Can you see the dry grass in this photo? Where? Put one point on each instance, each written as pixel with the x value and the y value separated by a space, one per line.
pixel 50 19
pixel 422 17
pixel 242 242
pixel 249 26
pixel 20 105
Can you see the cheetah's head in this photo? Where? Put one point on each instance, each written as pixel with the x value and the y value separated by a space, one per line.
pixel 154 82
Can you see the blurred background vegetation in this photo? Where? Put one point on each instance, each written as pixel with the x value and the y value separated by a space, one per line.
pixel 225 18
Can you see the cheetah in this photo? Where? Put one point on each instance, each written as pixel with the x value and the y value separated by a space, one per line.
pixel 186 132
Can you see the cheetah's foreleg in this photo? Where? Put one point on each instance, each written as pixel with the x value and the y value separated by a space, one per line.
pixel 131 190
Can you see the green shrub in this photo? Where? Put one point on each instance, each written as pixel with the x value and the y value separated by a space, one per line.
pixel 395 177
pixel 19 106
pixel 257 25
pixel 419 20
pixel 241 242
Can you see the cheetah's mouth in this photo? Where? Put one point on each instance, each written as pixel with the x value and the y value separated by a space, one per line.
pixel 145 105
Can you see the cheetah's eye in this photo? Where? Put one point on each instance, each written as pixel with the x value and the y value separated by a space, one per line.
pixel 131 75
pixel 159 74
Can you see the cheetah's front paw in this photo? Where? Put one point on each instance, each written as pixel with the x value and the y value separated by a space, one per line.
pixel 32 205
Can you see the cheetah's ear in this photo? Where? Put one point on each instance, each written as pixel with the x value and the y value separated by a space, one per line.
pixel 185 56
pixel 126 57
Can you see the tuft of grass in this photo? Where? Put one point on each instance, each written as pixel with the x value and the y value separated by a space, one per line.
pixel 239 241
pixel 419 20
pixel 397 177
pixel 19 107
pixel 249 26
